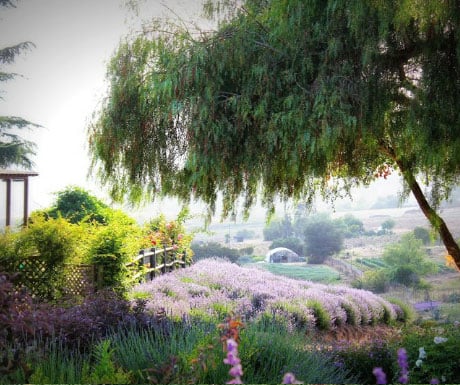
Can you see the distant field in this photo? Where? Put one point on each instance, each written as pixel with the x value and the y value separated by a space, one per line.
pixel 316 273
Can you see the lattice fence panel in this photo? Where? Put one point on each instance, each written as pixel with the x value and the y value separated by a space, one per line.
pixel 35 275
pixel 45 283
pixel 78 280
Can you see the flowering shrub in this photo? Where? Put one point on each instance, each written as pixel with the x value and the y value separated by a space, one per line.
pixel 162 233
pixel 253 293
pixel 433 353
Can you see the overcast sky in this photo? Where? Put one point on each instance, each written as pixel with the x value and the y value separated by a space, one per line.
pixel 63 79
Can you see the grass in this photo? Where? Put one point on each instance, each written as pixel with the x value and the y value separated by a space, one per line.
pixel 315 273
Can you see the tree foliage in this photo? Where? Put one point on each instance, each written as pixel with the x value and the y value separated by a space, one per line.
pixel 14 150
pixel 278 228
pixel 287 99
pixel 408 260
pixel 214 250
pixel 323 238
pixel 76 204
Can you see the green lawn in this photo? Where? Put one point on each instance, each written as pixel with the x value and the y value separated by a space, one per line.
pixel 316 273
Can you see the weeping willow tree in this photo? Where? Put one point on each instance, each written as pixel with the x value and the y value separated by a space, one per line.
pixel 287 99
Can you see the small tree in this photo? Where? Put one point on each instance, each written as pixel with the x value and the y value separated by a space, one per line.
pixel 408 260
pixel 323 238
pixel 351 226
pixel 422 234
pixel 388 226
pixel 76 204
pixel 278 228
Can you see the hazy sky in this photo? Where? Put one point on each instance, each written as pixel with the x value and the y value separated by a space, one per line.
pixel 63 79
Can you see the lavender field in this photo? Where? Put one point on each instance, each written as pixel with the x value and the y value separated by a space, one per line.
pixel 214 288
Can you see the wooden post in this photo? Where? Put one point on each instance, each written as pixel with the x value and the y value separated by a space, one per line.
pixel 153 262
pixel 26 202
pixel 164 260
pixel 141 261
pixel 185 259
pixel 8 202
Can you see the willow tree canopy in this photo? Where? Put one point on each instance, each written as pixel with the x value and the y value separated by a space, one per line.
pixel 287 98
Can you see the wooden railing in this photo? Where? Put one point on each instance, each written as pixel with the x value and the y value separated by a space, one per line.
pixel 157 261
pixel 81 280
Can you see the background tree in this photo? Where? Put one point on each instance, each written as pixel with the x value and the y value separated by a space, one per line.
pixel 14 150
pixel 423 234
pixel 213 250
pixel 323 238
pixel 408 260
pixel 351 226
pixel 287 100
pixel 388 225
pixel 76 204
pixel 278 228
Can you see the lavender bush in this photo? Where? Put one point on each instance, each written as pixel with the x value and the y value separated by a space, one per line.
pixel 215 287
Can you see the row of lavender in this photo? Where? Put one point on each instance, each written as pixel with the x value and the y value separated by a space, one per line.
pixel 214 287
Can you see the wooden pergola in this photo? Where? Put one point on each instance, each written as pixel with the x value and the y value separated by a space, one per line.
pixel 10 176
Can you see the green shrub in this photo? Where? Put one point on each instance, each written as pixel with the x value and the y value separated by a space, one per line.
pixel 114 247
pixel 323 320
pixel 53 242
pixel 410 255
pixel 442 358
pixel 9 253
pixel 422 234
pixel 405 312
pixel 77 205
pixel 359 359
pixel 405 275
pixel 104 370
pixel 373 280
pixel 212 250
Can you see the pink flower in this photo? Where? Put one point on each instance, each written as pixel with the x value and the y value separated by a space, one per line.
pixel 289 378
pixel 380 375
pixel 236 370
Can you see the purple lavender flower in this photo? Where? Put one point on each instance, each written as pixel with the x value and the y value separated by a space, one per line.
pixel 403 365
pixel 380 375
pixel 434 381
pixel 232 353
pixel 289 378
pixel 236 371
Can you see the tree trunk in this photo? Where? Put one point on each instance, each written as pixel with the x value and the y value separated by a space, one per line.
pixel 435 220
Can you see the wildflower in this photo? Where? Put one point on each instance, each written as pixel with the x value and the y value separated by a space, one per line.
pixel 232 353
pixel 418 363
pixel 236 371
pixel 380 375
pixel 421 353
pixel 439 340
pixel 403 365
pixel 434 381
pixel 289 378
